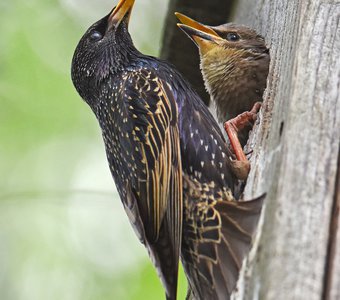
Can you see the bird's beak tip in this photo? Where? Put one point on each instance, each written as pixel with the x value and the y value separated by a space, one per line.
pixel 181 17
pixel 200 34
pixel 197 36
pixel 123 8
pixel 204 41
pixel 195 25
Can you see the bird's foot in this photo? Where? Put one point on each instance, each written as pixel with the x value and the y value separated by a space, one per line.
pixel 246 118
pixel 241 165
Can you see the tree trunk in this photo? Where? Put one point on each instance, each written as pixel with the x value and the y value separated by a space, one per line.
pixel 295 146
pixel 296 152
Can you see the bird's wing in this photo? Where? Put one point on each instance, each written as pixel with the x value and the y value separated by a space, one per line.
pixel 156 186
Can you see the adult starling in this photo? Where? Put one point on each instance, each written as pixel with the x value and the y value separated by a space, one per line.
pixel 234 64
pixel 168 158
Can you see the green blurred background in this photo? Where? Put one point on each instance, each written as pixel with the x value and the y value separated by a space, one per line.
pixel 63 231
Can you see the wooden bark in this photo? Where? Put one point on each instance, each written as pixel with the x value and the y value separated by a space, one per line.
pixel 332 285
pixel 296 149
pixel 182 52
pixel 295 144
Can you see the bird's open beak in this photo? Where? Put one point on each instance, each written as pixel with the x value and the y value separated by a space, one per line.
pixel 118 14
pixel 203 36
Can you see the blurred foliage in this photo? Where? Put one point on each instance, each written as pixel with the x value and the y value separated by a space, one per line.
pixel 63 232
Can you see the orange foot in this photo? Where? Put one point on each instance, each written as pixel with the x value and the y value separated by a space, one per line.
pixel 241 165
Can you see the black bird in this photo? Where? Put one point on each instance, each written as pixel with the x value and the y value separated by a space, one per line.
pixel 168 158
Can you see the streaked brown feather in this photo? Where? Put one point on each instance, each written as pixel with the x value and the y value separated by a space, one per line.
pixel 153 132
pixel 154 201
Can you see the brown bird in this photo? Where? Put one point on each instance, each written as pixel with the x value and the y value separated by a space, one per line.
pixel 234 64
pixel 168 158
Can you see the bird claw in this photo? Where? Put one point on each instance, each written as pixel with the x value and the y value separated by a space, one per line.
pixel 245 118
pixel 249 152
pixel 241 165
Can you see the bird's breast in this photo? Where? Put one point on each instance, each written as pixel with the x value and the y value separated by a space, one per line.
pixel 235 86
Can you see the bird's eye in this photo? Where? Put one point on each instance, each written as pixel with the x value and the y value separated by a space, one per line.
pixel 232 37
pixel 96 36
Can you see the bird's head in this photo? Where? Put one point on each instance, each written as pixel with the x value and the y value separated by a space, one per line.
pixel 234 64
pixel 223 40
pixel 105 49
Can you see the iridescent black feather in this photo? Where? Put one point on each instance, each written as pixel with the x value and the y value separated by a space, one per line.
pixel 168 159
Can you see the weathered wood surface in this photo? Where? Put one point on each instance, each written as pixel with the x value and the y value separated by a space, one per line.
pixel 332 286
pixel 296 144
pixel 296 148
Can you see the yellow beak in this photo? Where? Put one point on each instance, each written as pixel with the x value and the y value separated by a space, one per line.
pixel 203 36
pixel 117 15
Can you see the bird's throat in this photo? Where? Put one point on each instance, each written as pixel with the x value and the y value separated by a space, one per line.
pixel 218 77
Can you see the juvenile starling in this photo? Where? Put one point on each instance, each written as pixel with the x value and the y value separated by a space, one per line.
pixel 168 158
pixel 234 64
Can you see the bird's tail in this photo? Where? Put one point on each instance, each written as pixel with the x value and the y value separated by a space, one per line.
pixel 226 240
pixel 239 222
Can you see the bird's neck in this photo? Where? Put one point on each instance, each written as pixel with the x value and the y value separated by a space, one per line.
pixel 124 56
pixel 218 72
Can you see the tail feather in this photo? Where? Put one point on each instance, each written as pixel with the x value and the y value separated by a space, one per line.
pixel 166 261
pixel 214 257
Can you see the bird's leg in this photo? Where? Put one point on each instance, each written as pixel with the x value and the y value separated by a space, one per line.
pixel 239 122
pixel 241 165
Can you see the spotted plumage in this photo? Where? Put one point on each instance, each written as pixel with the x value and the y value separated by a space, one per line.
pixel 168 158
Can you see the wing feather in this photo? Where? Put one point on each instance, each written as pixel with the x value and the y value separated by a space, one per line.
pixel 157 184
